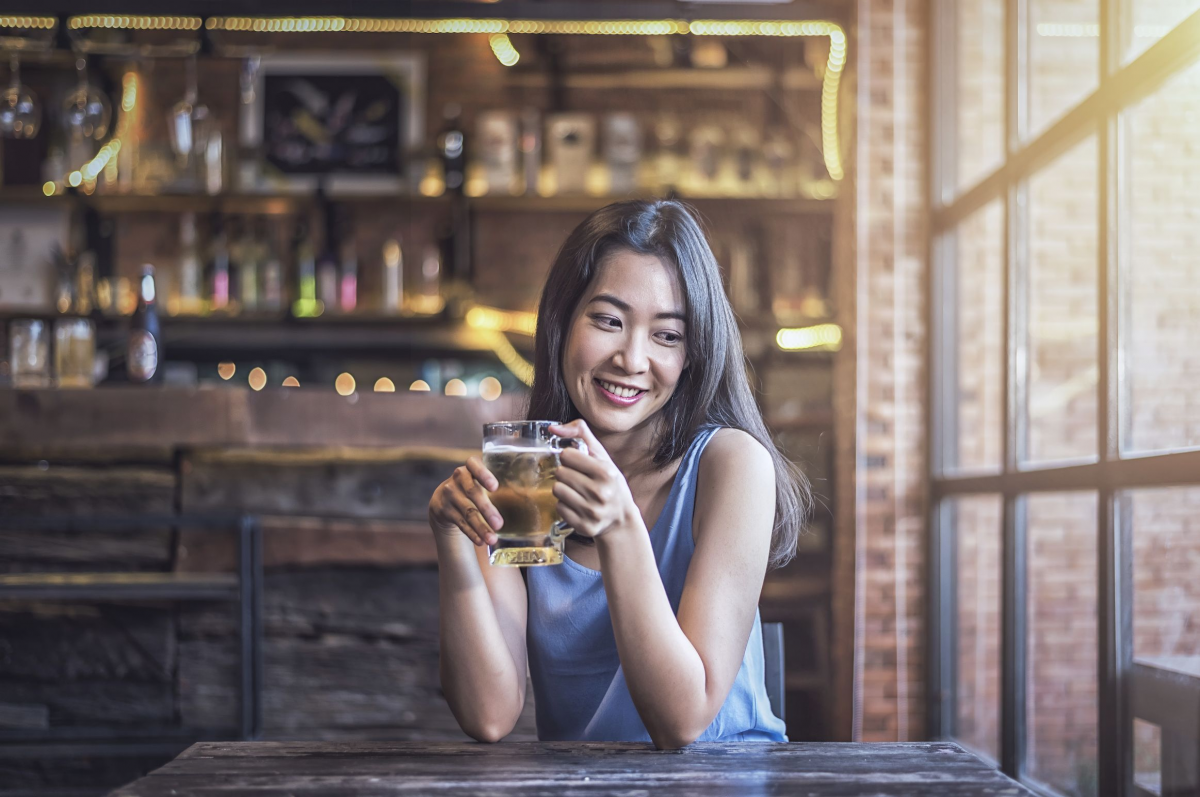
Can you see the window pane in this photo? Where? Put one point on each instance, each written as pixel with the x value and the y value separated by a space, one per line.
pixel 1064 57
pixel 976 522
pixel 1147 756
pixel 980 97
pixel 979 340
pixel 1062 308
pixel 1166 574
pixel 1162 275
pixel 1061 686
pixel 1152 19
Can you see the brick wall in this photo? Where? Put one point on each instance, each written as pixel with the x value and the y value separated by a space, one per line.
pixel 881 483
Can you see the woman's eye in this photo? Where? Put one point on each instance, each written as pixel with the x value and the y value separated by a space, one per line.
pixel 608 321
pixel 671 337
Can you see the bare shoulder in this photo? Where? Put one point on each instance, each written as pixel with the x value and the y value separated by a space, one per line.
pixel 735 487
pixel 735 453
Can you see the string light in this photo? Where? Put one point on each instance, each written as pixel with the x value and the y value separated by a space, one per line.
pixel 821 336
pixel 456 387
pixel 92 169
pixel 496 320
pixel 257 379
pixel 508 55
pixel 291 381
pixel 344 384
pixel 503 49
pixel 385 385
pixel 28 23
pixel 520 367
pixel 419 386
pixel 226 370
pixel 130 22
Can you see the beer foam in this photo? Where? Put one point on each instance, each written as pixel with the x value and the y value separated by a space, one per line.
pixel 511 449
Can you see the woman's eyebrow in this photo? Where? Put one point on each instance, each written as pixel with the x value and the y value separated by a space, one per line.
pixel 625 307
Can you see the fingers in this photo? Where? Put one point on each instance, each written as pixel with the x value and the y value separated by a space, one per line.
pixel 570 499
pixel 578 429
pixel 481 473
pixel 582 483
pixel 450 518
pixel 474 525
pixel 477 495
pixel 572 519
pixel 577 460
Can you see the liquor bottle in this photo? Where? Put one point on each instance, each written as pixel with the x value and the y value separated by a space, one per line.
pixel 327 263
pixel 218 270
pixel 249 254
pixel 189 266
pixel 393 276
pixel 451 146
pixel 143 355
pixel 272 268
pixel 306 304
pixel 348 286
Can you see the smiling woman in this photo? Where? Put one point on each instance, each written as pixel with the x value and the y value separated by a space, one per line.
pixel 651 631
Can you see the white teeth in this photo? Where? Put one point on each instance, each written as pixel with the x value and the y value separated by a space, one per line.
pixel 623 392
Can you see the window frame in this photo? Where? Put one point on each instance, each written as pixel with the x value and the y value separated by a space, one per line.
pixel 1099 114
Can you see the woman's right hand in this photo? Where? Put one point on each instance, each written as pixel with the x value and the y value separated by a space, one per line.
pixel 461 504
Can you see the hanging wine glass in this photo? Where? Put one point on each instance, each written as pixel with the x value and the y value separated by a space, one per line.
pixel 20 111
pixel 86 110
pixel 186 120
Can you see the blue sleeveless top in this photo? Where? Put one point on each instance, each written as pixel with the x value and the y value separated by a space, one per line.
pixel 578 683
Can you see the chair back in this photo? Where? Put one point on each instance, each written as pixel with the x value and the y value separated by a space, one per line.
pixel 773 672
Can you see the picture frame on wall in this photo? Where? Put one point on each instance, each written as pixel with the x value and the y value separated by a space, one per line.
pixel 348 123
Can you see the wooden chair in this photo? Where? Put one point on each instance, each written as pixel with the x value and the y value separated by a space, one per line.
pixel 773 672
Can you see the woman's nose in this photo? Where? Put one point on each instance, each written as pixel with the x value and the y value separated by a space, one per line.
pixel 631 357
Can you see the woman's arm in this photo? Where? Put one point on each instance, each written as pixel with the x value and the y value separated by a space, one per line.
pixel 680 668
pixel 482 612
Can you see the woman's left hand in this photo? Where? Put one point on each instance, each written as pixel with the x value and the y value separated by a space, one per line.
pixel 593 496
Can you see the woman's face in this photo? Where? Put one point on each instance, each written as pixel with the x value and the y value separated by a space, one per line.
pixel 626 348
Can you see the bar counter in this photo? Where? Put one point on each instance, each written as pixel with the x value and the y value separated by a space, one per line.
pixel 121 419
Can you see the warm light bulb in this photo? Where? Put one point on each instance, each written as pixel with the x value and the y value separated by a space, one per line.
pixel 344 384
pixel 456 387
pixel 258 379
pixel 226 370
pixel 420 385
pixel 291 381
pixel 489 388
pixel 384 385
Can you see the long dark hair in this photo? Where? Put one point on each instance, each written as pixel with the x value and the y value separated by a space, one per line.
pixel 713 388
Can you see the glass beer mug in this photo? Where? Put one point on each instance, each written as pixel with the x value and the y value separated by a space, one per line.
pixel 523 456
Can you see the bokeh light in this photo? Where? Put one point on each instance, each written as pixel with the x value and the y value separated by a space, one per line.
pixel 489 388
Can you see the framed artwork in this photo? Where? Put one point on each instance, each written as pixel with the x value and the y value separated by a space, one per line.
pixel 347 122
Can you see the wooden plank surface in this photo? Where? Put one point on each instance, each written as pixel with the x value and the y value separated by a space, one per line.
pixel 135 418
pixel 566 768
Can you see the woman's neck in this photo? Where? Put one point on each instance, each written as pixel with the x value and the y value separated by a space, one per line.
pixel 631 451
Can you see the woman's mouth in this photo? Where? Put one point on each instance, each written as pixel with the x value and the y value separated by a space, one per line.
pixel 621 396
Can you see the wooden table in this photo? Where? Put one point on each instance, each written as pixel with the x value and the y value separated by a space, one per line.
pixel 304 769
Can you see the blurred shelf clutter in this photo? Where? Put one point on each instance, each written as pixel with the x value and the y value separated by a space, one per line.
pixel 264 222
pixel 313 208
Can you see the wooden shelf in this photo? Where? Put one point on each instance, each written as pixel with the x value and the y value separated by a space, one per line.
pixel 230 336
pixel 119 586
pixel 283 204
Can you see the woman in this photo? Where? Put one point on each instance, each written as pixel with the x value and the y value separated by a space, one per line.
pixel 649 630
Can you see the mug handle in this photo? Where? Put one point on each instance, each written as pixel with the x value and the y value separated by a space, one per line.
pixel 560 529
